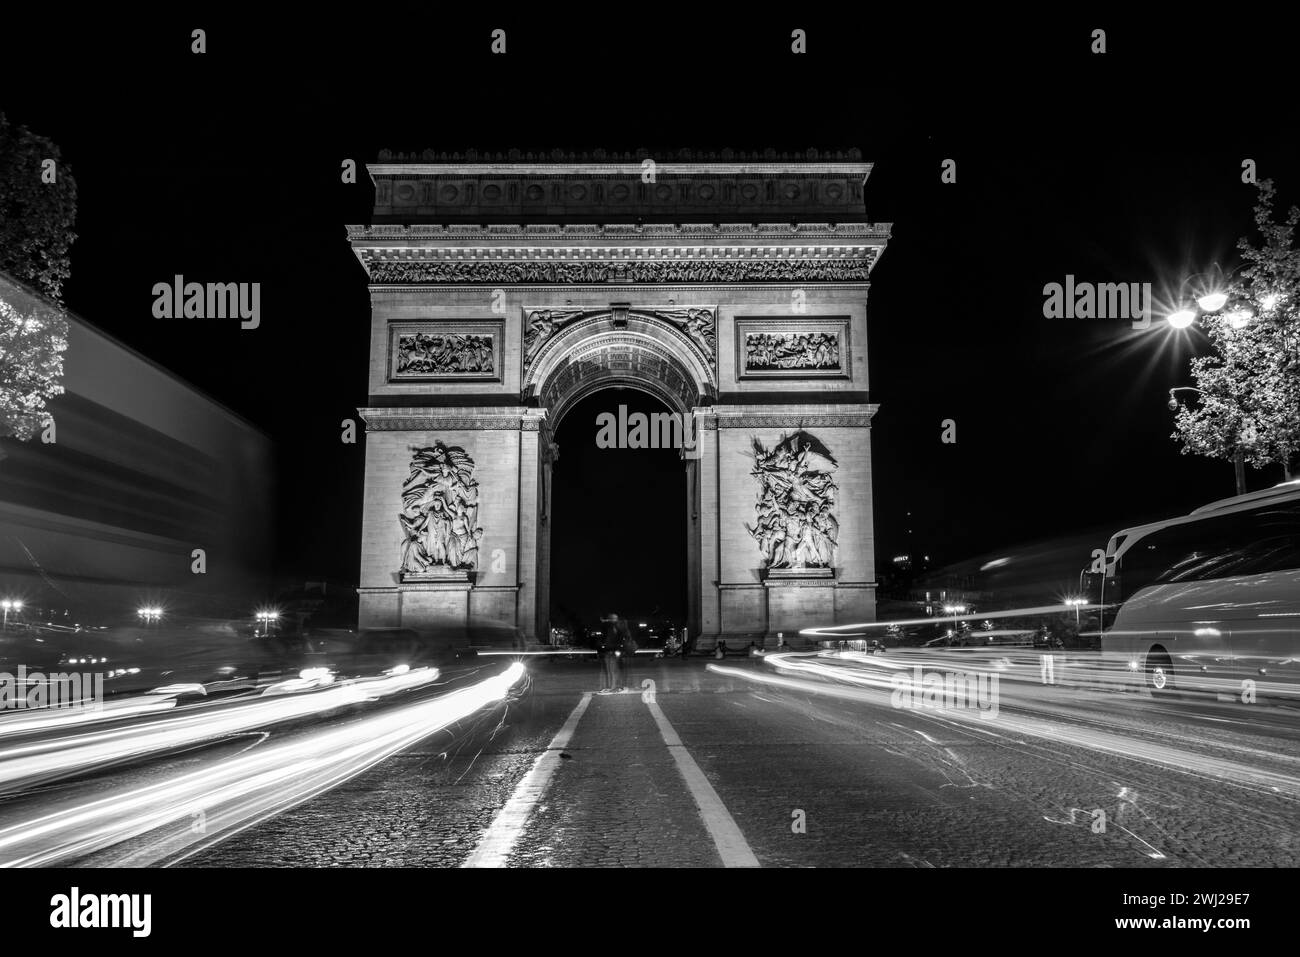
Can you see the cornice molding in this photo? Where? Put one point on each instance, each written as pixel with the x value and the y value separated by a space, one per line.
pixel 874 233
pixel 682 154
pixel 652 290
pixel 788 417
pixel 663 167
pixel 424 419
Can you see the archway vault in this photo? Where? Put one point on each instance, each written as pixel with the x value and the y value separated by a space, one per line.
pixel 623 348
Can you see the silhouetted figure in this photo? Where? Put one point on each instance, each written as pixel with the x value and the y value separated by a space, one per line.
pixel 627 655
pixel 608 651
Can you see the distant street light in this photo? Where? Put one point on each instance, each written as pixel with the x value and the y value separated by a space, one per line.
pixel 267 618
pixel 9 605
pixel 149 614
pixel 1076 602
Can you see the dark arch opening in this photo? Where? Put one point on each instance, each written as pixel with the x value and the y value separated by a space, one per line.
pixel 618 524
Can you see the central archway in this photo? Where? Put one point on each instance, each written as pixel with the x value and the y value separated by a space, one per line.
pixel 661 352
pixel 621 525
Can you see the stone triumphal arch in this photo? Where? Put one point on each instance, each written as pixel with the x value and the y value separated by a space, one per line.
pixel 506 288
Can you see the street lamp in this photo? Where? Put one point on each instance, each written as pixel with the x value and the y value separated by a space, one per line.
pixel 149 614
pixel 1209 302
pixel 1213 301
pixel 9 605
pixel 1173 400
pixel 1076 602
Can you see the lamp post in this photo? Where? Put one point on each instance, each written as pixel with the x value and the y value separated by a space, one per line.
pixel 149 615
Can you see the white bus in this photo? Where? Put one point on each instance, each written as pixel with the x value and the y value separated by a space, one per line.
pixel 1209 600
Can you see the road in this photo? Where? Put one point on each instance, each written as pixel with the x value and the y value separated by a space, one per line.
pixel 796 762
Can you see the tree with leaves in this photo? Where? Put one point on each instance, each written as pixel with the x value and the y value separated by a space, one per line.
pixel 38 201
pixel 1249 386
pixel 38 206
pixel 32 344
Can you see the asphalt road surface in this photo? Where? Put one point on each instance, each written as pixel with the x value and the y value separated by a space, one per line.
pixel 727 766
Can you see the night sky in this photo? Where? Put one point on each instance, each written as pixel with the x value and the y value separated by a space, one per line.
pixel 1116 168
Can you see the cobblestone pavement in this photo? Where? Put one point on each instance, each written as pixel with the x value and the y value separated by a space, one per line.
pixel 812 780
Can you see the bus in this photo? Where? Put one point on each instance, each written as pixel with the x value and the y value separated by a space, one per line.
pixel 1209 601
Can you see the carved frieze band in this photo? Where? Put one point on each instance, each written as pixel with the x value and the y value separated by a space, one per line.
pixel 757 270
pixel 853 421
pixel 430 419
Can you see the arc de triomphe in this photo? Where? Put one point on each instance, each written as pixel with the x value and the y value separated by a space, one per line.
pixel 505 288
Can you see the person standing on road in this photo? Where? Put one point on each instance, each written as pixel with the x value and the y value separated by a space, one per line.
pixel 608 651
pixel 627 654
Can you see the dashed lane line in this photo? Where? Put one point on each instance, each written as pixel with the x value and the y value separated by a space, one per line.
pixel 727 837
pixel 497 842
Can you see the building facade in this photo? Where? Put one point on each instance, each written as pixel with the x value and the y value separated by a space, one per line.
pixel 104 511
pixel 505 289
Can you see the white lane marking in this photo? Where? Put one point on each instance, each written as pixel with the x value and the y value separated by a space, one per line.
pixel 730 842
pixel 497 842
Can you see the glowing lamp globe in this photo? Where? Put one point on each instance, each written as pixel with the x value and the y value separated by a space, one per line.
pixel 1212 301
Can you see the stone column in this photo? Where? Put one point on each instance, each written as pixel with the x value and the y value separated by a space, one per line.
pixel 529 603
pixel 692 475
pixel 549 452
pixel 708 572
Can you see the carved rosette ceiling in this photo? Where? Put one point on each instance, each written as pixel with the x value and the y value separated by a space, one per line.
pixel 796 526
pixel 623 359
pixel 439 517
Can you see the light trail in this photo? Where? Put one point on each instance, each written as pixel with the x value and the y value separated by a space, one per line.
pixel 59 756
pixel 843 631
pixel 233 794
pixel 554 652
pixel 27 720
pixel 1059 728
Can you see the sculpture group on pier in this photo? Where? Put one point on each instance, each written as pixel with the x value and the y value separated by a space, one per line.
pixel 796 526
pixel 440 511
